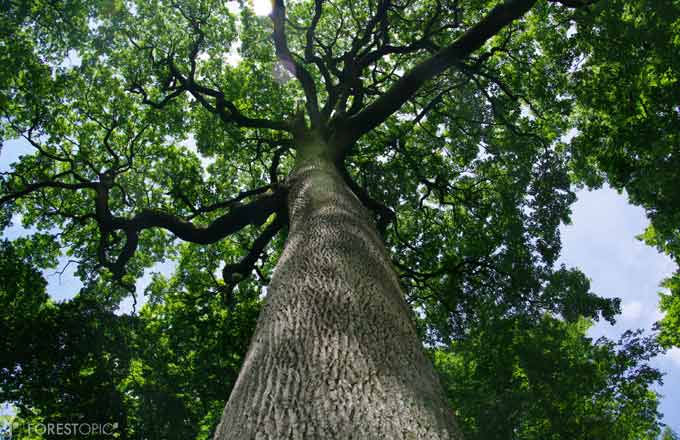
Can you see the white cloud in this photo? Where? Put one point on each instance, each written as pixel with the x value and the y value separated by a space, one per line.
pixel 674 355
pixel 234 7
pixel 601 241
pixel 632 311
pixel 657 315
pixel 262 7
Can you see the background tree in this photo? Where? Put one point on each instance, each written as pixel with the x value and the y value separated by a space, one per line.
pixel 668 434
pixel 63 361
pixel 444 122
pixel 534 380
pixel 188 350
pixel 162 374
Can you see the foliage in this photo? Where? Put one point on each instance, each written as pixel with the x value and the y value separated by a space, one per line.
pixel 523 380
pixel 64 360
pixel 115 168
pixel 167 372
pixel 669 434
pixel 188 350
pixel 462 126
pixel 163 374
pixel 629 134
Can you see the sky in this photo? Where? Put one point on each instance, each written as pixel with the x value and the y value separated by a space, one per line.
pixel 600 241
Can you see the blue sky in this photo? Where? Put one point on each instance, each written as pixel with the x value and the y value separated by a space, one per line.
pixel 601 241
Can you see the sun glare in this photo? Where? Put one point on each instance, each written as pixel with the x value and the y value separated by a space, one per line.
pixel 262 7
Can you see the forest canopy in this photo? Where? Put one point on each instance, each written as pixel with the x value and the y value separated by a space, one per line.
pixel 172 130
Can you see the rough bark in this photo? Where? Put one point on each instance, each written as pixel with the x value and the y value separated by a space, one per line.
pixel 335 354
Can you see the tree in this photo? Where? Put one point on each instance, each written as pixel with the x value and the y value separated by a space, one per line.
pixel 629 135
pixel 516 379
pixel 187 352
pixel 668 434
pixel 161 375
pixel 425 136
pixel 64 360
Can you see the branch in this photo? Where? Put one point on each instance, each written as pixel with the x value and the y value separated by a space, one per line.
pixel 178 83
pixel 247 263
pixel 274 166
pixel 325 64
pixel 253 213
pixel 379 16
pixel 226 203
pixel 226 110
pixel 505 89
pixel 271 199
pixel 404 88
pixel 388 49
pixel 158 105
pixel 278 17
pixel 311 30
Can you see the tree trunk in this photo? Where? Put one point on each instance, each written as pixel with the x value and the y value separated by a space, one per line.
pixel 335 354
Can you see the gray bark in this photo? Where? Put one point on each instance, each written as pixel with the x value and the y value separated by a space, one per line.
pixel 335 354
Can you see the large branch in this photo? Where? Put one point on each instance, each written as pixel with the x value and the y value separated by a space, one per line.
pixel 240 216
pixel 407 86
pixel 253 213
pixel 278 17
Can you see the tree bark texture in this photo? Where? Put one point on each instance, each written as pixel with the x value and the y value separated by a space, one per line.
pixel 335 354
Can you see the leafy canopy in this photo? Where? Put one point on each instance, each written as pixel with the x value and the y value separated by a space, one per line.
pixel 462 126
pixel 448 121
